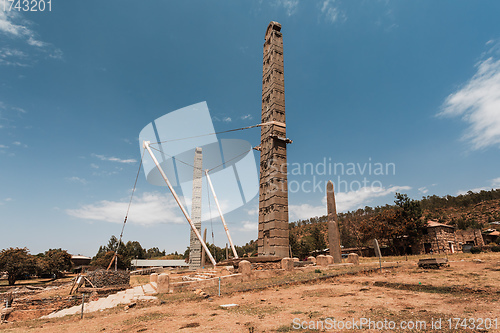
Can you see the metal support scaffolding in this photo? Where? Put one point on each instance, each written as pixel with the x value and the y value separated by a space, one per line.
pixel 221 215
pixel 193 228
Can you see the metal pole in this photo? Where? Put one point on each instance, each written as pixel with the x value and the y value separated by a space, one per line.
pixel 83 303
pixel 221 215
pixel 146 146
pixel 203 252
pixel 219 285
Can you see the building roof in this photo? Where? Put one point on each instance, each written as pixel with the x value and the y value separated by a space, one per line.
pixel 433 224
pixel 159 263
pixel 80 257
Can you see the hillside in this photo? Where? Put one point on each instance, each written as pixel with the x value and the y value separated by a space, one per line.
pixel 471 210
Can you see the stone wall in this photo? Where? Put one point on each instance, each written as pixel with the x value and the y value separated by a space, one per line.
pixel 446 240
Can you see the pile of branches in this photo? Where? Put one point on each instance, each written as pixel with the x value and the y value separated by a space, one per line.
pixel 102 278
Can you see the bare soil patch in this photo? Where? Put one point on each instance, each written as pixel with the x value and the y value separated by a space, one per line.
pixel 466 289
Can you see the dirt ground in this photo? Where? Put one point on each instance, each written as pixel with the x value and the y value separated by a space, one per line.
pixel 403 299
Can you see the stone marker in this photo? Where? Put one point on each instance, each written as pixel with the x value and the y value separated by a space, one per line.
pixel 163 283
pixel 273 193
pixel 245 267
pixel 329 259
pixel 194 242
pixel 377 249
pixel 295 259
pixel 153 277
pixel 333 227
pixel 312 259
pixel 353 258
pixel 321 260
pixel 287 264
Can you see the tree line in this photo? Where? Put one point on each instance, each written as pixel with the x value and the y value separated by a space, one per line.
pixel 398 226
pixel 18 263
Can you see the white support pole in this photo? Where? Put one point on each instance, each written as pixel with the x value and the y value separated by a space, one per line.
pixel 146 146
pixel 221 215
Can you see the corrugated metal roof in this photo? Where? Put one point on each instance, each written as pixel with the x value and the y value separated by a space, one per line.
pixel 159 263
pixel 80 257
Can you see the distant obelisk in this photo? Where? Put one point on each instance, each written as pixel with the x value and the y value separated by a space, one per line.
pixel 273 192
pixel 194 243
pixel 333 226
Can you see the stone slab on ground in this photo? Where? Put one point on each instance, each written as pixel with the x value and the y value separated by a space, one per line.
pixel 122 297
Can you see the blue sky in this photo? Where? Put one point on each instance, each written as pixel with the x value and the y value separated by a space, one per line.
pixel 410 85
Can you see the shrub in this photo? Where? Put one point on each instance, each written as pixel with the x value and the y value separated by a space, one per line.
pixel 475 250
pixel 495 248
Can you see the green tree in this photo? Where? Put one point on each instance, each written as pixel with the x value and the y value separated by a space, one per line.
pixel 102 260
pixel 53 261
pixel 134 250
pixel 17 263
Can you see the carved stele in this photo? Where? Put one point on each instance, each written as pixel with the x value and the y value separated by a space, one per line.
pixel 194 243
pixel 273 193
pixel 333 227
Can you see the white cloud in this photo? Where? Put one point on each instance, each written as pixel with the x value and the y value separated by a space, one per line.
pixel 495 182
pixel 4 146
pixel 423 190
pixel 247 116
pixel 358 199
pixel 114 159
pixel 478 103
pixel 475 190
pixel 17 143
pixel 331 12
pixel 305 211
pixel 249 226
pixel 15 26
pixel 76 180
pixel 227 119
pixel 289 5
pixel 94 166
pixel 345 201
pixel 149 209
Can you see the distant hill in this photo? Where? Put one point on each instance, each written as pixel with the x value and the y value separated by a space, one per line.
pixel 470 210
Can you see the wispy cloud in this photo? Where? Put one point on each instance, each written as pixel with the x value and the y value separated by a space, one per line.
pixel 3 147
pixel 115 159
pixel 247 116
pixel 248 226
pixel 5 200
pixel 331 12
pixel 77 180
pixel 495 182
pixel 149 209
pixel 478 104
pixel 227 119
pixel 345 201
pixel 290 6
pixel 423 190
pixel 16 27
pixel 19 144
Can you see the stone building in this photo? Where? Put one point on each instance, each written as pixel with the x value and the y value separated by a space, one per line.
pixel 442 238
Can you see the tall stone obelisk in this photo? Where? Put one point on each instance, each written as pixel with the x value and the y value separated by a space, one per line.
pixel 273 192
pixel 333 225
pixel 194 243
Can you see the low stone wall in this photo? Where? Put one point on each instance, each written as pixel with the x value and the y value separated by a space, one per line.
pixel 102 278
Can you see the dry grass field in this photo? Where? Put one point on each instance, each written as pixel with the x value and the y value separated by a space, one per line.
pixel 399 299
